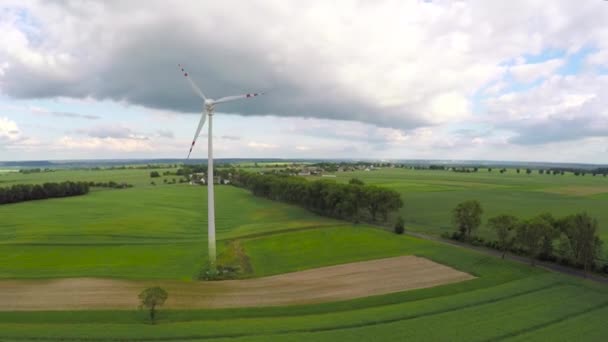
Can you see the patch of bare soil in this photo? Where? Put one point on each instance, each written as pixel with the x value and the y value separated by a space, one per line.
pixel 577 190
pixel 325 284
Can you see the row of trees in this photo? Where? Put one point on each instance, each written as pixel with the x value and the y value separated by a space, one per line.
pixel 29 192
pixel 110 184
pixel 354 201
pixel 572 240
pixel 35 170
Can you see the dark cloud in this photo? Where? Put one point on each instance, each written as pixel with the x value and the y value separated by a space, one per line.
pixel 143 70
pixel 310 58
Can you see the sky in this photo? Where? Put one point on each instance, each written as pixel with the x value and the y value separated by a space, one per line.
pixel 457 80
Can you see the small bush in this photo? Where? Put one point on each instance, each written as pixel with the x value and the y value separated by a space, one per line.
pixel 221 273
pixel 477 241
pixel 457 236
pixel 399 226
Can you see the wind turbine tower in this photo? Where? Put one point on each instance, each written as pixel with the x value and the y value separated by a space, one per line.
pixel 208 109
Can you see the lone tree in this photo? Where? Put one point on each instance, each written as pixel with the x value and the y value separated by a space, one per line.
pixel 467 217
pixel 152 297
pixel 503 225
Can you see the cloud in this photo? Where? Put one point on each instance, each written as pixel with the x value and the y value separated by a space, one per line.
pixel 528 73
pixel 11 137
pixel 75 115
pixel 563 108
pixel 9 131
pixel 165 133
pixel 44 111
pixel 400 64
pixel 260 145
pixel 598 58
pixel 112 131
pixel 102 144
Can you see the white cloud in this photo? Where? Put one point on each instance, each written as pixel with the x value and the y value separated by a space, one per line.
pixel 9 131
pixel 562 108
pixel 261 145
pixel 528 73
pixel 11 137
pixel 599 58
pixel 102 144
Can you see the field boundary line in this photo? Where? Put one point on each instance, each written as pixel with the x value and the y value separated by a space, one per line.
pixel 282 231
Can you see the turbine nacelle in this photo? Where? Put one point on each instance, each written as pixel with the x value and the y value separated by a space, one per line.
pixel 209 106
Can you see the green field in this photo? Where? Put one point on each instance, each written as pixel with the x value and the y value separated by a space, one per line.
pixel 520 194
pixel 159 232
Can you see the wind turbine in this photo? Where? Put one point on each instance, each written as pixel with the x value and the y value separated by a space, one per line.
pixel 208 111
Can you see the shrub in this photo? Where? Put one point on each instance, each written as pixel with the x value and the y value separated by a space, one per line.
pixel 477 241
pixel 399 226
pixel 221 273
pixel 457 236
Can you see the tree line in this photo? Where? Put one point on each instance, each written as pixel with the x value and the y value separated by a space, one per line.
pixel 29 192
pixel 354 201
pixel 571 240
pixel 110 184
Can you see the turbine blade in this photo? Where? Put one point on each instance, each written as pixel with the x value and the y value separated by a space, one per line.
pixel 236 97
pixel 196 89
pixel 198 131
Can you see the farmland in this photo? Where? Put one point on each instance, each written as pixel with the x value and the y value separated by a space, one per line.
pixel 157 234
pixel 520 194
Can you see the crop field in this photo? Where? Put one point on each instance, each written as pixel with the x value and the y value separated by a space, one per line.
pixel 520 194
pixel 157 235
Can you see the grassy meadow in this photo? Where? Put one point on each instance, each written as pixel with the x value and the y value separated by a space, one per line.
pixel 430 196
pixel 159 232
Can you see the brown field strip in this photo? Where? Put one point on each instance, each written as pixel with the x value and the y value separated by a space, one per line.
pixel 333 283
pixel 577 190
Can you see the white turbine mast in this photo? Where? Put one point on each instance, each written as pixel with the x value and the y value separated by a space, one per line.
pixel 208 111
